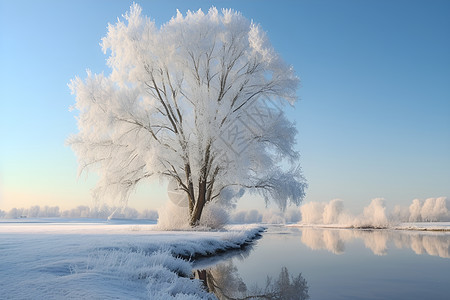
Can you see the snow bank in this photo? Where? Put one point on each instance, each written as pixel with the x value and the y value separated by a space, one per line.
pixel 424 226
pixel 419 226
pixel 107 261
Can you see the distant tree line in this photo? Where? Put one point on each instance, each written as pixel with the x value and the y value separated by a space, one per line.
pixel 291 215
pixel 271 216
pixel 81 211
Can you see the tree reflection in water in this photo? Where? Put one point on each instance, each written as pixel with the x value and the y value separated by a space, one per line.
pixel 224 281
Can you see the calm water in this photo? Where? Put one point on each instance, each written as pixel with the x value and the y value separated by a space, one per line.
pixel 334 264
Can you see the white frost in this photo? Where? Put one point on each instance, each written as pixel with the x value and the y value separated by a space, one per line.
pixel 197 101
pixel 106 261
pixel 374 215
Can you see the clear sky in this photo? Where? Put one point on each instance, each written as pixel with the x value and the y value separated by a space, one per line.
pixel 373 115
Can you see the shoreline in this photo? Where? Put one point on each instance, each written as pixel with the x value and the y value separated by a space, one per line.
pixel 422 226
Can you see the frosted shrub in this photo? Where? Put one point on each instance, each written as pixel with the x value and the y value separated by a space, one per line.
pixel 172 216
pixel 435 209
pixel 432 209
pixel 312 212
pixel 332 211
pixel 214 216
pixel 375 214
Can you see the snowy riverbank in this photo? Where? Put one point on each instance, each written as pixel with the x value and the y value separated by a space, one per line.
pixel 96 260
pixel 418 226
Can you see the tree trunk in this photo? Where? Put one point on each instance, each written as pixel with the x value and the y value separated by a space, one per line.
pixel 202 188
pixel 190 185
pixel 199 204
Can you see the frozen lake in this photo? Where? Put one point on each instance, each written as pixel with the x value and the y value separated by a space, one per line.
pixel 337 264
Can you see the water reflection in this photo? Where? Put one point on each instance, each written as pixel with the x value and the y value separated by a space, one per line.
pixel 255 272
pixel 224 281
pixel 334 240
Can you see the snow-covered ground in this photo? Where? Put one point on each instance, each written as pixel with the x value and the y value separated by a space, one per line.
pixel 56 259
pixel 424 226
pixel 420 226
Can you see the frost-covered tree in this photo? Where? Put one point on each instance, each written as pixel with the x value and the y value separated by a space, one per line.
pixel 197 101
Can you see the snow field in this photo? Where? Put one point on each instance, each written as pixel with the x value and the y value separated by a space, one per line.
pixel 103 261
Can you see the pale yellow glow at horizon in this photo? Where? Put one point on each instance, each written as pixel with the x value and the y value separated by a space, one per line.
pixel 76 195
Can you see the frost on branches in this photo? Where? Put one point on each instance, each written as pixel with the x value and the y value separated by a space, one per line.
pixel 197 101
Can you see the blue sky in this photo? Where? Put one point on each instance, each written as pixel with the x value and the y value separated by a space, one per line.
pixel 373 115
